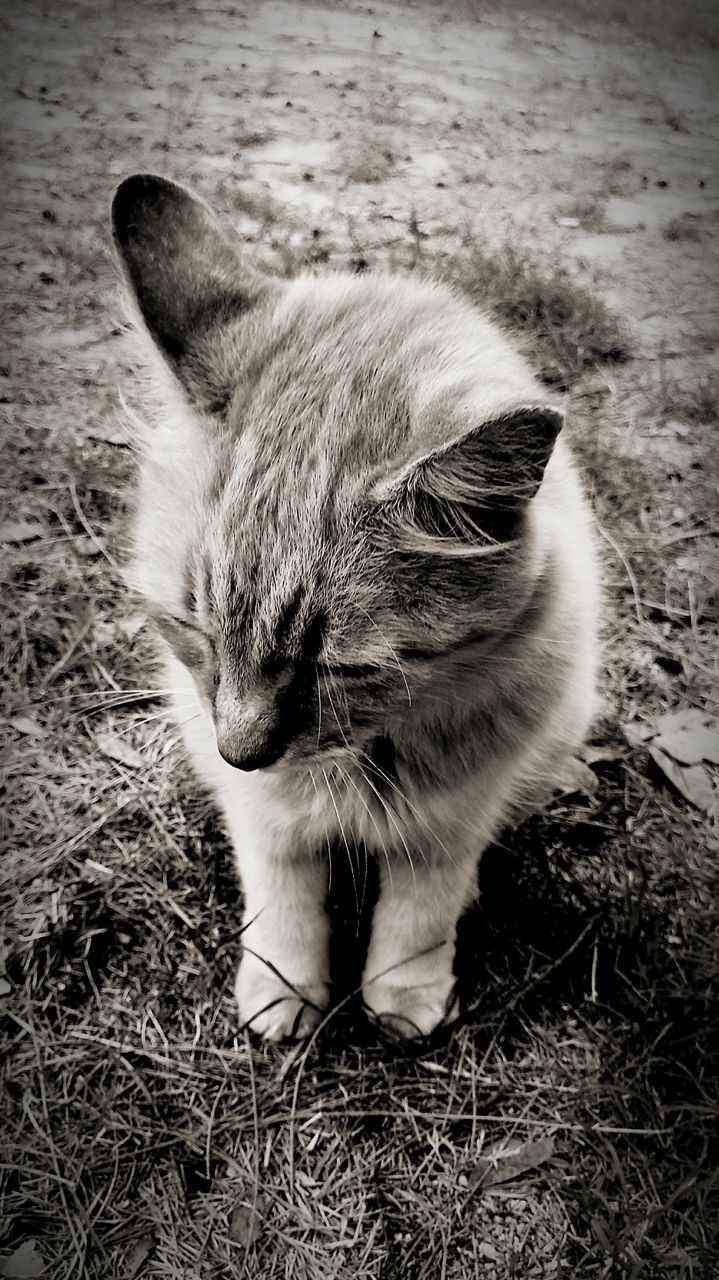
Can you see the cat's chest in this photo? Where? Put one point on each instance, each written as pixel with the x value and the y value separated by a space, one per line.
pixel 373 800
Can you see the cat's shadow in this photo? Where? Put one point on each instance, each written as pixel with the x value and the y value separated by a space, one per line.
pixel 525 919
pixel 528 914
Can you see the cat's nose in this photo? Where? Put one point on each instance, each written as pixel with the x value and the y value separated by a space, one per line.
pixel 248 729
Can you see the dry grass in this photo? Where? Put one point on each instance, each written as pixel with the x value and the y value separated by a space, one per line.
pixel 566 330
pixel 136 1115
pixel 142 1135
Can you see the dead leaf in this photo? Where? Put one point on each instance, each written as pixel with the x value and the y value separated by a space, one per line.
pixel 86 546
pixel 595 753
pixel 679 742
pixel 137 1255
pixel 24 1264
pixel 116 630
pixel 576 779
pixel 691 780
pixel 246 1223
pixel 503 1163
pixel 305 1180
pixel 115 748
pixel 5 987
pixel 15 532
pixel 676 428
pixel 487 1251
pixel 106 434
pixel 689 735
pixel 638 733
pixel 23 724
pixel 104 633
pixel 691 562
pixel 131 625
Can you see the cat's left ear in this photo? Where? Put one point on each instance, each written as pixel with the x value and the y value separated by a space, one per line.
pixel 183 268
pixel 476 487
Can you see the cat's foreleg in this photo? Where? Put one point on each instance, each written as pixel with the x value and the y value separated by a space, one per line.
pixel 408 981
pixel 281 985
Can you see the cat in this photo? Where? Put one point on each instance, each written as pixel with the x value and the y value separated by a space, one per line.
pixel 372 568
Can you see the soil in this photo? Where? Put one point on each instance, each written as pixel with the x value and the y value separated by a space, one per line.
pixel 369 127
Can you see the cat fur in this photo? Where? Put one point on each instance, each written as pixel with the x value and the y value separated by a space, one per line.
pixel 373 570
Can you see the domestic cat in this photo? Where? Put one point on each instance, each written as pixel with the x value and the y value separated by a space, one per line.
pixel 367 553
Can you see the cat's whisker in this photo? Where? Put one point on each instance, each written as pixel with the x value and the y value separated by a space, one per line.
pixel 171 739
pixel 344 776
pixel 137 430
pixel 372 818
pixel 163 716
pixel 319 709
pixel 163 693
pixel 389 646
pixel 343 691
pixel 337 719
pixel 409 804
pixel 344 694
pixel 111 704
pixel 347 744
pixel 392 818
pixel 344 837
pixel 124 695
pixel 111 700
pixel 196 716
pixel 327 836
pixel 168 716
pixel 148 692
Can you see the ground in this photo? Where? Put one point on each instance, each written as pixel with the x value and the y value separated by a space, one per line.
pixel 560 169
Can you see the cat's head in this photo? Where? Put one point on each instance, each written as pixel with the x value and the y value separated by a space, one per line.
pixel 342 494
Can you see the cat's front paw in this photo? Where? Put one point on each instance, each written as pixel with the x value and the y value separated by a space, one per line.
pixel 274 1009
pixel 411 1012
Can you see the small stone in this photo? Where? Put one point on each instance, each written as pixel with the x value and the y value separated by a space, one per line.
pixel 488 1251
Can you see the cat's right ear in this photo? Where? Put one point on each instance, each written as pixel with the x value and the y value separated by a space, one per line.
pixel 181 265
pixel 469 496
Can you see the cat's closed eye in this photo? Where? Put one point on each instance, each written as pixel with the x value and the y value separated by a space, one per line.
pixel 348 669
pixel 186 638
